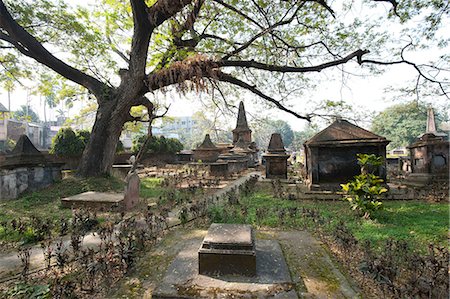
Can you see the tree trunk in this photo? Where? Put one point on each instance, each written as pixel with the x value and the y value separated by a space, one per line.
pixel 99 153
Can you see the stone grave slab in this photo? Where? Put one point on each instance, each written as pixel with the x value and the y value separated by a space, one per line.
pixel 94 200
pixel 272 279
pixel 228 249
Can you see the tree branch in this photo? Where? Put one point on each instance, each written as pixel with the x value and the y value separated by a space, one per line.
pixel 232 80
pixel 162 10
pixel 31 47
pixel 290 69
pixel 141 38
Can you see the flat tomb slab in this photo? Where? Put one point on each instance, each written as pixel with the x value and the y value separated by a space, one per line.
pixel 228 249
pixel 91 199
pixel 229 236
pixel 272 279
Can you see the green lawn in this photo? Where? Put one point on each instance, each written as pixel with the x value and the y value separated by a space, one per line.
pixel 151 188
pixel 417 222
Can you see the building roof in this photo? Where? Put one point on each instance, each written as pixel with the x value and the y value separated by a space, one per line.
pixel 342 131
pixel 3 108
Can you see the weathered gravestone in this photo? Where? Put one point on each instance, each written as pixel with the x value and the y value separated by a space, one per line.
pixel 131 198
pixel 230 263
pixel 429 156
pixel 228 249
pixel 276 158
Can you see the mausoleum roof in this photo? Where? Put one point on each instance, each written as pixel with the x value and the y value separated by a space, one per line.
pixel 207 143
pixel 342 131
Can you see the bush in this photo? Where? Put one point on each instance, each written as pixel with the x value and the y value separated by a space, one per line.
pixel 69 143
pixel 72 143
pixel 363 191
pixel 157 145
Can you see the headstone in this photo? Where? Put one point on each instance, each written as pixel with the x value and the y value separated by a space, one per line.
pixel 276 158
pixel 131 198
pixel 228 249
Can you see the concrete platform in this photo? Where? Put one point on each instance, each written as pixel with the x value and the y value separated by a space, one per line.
pixel 272 277
pixel 95 200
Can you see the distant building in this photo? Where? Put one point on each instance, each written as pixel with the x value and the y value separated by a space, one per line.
pixel 172 129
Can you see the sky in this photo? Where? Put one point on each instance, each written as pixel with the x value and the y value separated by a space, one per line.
pixel 365 93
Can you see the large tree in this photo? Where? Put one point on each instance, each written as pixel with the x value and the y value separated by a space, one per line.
pixel 262 46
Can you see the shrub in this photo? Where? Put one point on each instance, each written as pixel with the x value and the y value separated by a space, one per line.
pixel 69 143
pixel 72 143
pixel 363 191
pixel 157 145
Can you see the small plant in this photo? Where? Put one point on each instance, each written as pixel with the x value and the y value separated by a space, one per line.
pixel 363 191
pixel 24 255
pixel 183 215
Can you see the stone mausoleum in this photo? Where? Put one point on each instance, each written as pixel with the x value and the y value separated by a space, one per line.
pixel 429 155
pixel 26 169
pixel 225 159
pixel 331 154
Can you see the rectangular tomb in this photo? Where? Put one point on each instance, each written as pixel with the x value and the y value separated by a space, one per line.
pixel 228 249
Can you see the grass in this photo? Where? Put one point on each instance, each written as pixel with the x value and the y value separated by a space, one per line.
pixel 417 222
pixel 151 188
pixel 45 203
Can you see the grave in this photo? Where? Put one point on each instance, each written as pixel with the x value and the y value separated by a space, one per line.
pixel 276 158
pixel 184 156
pixel 100 201
pixel 218 169
pixel 242 138
pixel 331 154
pixel 230 263
pixel 207 151
pixel 107 201
pixel 26 169
pixel 429 156
pixel 131 198
pixel 228 249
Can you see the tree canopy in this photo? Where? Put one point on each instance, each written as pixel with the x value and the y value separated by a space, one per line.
pixel 263 130
pixel 122 52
